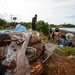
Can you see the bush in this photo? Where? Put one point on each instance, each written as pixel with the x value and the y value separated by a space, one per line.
pixel 42 26
pixel 58 50
pixel 3 24
pixel 67 51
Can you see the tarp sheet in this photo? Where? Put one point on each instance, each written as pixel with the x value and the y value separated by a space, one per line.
pixel 20 28
pixel 22 67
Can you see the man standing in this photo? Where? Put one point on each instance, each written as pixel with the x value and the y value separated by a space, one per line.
pixel 34 20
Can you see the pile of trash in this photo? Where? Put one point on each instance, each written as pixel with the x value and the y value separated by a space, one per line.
pixel 19 52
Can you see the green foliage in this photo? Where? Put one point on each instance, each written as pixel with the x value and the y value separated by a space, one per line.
pixel 42 26
pixel 29 25
pixel 69 50
pixel 3 24
pixel 58 50
pixel 45 41
pixel 66 50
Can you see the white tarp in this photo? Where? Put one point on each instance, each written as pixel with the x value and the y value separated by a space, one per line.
pixel 69 36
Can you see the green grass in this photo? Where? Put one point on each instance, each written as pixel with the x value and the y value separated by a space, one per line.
pixel 59 51
pixel 66 50
pixel 69 50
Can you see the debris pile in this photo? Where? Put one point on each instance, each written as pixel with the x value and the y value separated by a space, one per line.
pixel 21 50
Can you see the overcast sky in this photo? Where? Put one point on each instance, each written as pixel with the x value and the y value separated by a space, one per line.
pixel 51 11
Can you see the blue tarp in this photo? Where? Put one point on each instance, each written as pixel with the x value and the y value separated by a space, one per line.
pixel 20 28
pixel 61 46
pixel 4 31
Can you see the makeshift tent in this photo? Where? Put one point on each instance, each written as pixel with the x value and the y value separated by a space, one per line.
pixel 20 28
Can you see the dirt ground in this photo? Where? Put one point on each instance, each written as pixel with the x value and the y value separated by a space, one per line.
pixel 59 65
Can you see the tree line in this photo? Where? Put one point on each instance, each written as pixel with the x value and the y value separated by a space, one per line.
pixel 41 25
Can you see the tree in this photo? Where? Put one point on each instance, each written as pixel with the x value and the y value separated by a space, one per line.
pixel 3 24
pixel 42 26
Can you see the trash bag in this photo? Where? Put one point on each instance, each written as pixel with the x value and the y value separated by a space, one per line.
pixel 34 38
pixel 69 36
pixel 10 54
pixel 2 69
pixel 68 43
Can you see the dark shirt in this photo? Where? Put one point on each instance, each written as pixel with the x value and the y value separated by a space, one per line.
pixel 34 19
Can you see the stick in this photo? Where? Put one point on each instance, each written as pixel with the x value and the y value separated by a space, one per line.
pixel 47 57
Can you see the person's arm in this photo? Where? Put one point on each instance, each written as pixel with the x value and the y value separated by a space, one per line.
pixel 35 19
